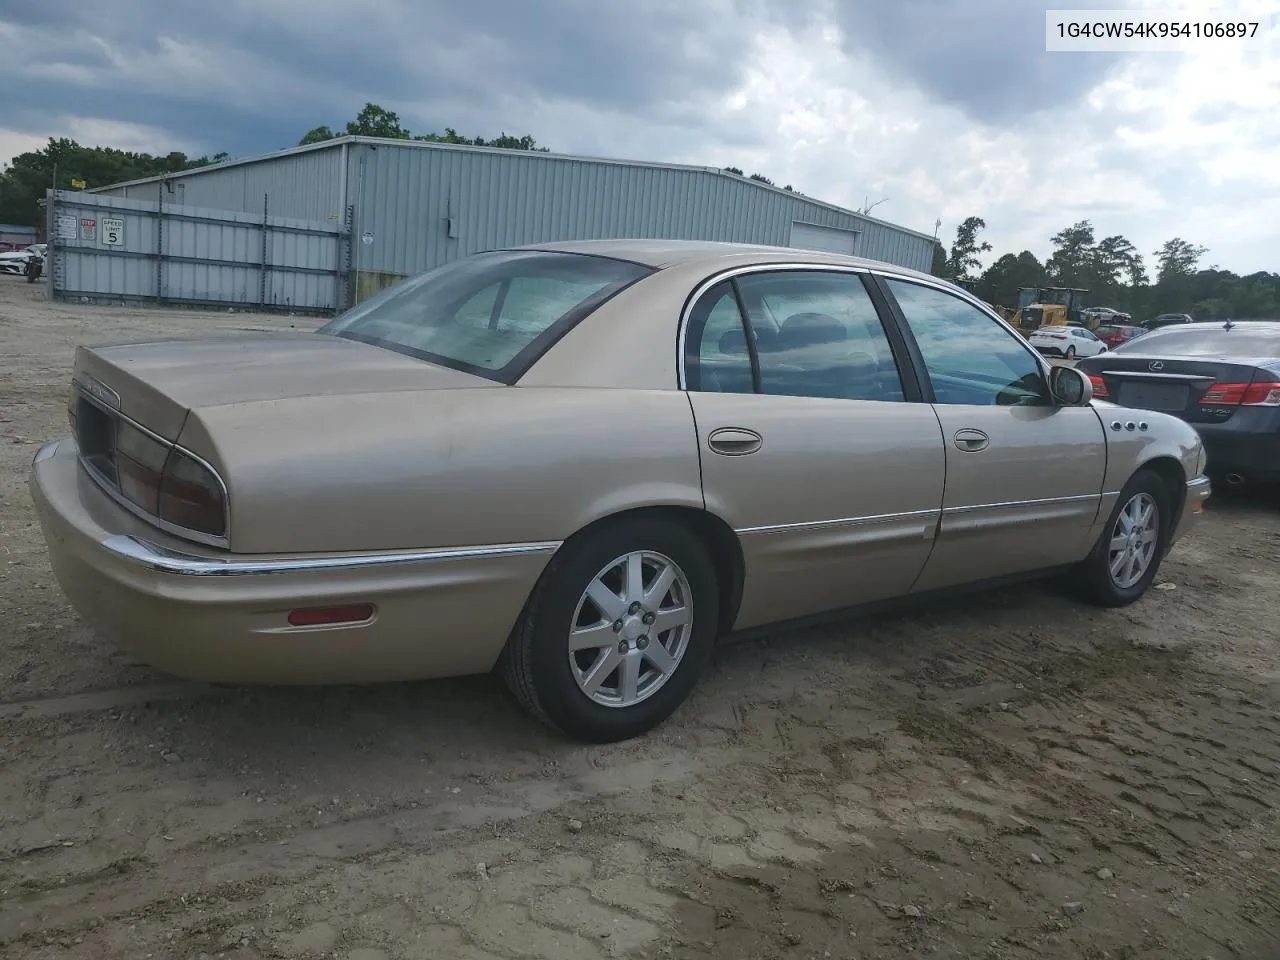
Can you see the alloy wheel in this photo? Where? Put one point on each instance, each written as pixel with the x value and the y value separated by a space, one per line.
pixel 1134 540
pixel 630 629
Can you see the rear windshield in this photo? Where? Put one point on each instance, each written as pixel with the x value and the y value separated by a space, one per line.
pixel 1107 330
pixel 1187 341
pixel 491 314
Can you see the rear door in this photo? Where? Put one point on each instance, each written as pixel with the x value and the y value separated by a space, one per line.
pixel 1024 475
pixel 814 447
pixel 1089 345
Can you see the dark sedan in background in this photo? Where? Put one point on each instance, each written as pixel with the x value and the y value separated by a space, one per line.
pixel 1222 378
pixel 1168 319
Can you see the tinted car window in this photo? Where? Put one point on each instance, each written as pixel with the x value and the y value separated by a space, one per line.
pixel 1188 341
pixel 818 335
pixel 970 358
pixel 716 355
pixel 492 314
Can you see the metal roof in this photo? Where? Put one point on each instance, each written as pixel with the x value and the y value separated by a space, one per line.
pixel 667 253
pixel 532 155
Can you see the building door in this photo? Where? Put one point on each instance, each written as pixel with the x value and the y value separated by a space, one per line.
pixel 809 236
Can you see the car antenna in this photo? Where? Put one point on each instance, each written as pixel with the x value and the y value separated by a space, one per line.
pixel 1228 325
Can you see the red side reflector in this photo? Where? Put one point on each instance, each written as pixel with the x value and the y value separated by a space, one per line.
pixel 1100 390
pixel 327 616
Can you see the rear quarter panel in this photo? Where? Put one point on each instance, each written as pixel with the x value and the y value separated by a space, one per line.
pixel 445 468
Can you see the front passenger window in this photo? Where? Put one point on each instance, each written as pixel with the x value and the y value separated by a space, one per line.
pixel 970 358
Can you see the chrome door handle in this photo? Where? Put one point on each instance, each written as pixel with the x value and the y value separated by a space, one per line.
pixel 971 440
pixel 734 441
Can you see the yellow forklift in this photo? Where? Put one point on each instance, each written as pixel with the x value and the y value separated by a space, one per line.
pixel 1048 307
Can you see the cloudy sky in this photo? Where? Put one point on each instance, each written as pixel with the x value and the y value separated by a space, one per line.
pixel 942 108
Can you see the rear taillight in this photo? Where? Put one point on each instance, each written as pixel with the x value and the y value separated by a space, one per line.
pixel 1262 393
pixel 167 483
pixel 1265 393
pixel 1100 391
pixel 190 496
pixel 139 462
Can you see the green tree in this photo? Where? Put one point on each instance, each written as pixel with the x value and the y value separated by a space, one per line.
pixel 376 121
pixel 1074 256
pixel 1000 282
pixel 316 135
pixel 760 178
pixel 503 141
pixel 964 258
pixel 24 181
pixel 1177 258
pixel 939 266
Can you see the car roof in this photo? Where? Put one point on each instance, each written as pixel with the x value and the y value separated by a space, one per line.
pixel 1263 326
pixel 669 253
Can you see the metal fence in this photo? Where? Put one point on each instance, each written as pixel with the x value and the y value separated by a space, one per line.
pixel 111 249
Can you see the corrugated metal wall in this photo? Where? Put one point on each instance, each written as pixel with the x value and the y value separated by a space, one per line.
pixel 305 186
pixel 108 248
pixel 416 205
pixel 424 206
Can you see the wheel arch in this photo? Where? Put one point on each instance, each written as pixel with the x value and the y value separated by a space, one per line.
pixel 722 545
pixel 1174 477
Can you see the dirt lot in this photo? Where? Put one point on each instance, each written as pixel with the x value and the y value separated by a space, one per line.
pixel 1010 776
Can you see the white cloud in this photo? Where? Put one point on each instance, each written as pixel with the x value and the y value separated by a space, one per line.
pixel 1153 147
pixel 134 137
pixel 93 131
pixel 1124 156
pixel 14 142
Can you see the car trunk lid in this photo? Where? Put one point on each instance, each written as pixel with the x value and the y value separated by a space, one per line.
pixel 1200 390
pixel 157 384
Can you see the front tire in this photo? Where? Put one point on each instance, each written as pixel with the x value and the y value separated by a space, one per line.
pixel 618 630
pixel 1127 556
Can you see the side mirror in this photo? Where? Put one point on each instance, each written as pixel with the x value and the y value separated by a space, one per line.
pixel 1070 387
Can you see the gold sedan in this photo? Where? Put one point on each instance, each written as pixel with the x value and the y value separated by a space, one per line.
pixel 584 463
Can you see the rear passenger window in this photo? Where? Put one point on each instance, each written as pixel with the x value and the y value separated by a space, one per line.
pixel 716 355
pixel 818 335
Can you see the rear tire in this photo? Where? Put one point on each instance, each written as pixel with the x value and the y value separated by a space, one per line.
pixel 1127 556
pixel 599 655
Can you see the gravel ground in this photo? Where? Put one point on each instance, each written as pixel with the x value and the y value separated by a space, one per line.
pixel 1008 776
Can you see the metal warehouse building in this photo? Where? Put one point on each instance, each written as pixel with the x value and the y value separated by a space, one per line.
pixel 378 210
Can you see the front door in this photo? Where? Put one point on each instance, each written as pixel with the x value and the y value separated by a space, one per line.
pixel 810 449
pixel 1024 475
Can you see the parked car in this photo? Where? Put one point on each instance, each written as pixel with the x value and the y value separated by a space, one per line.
pixel 1222 378
pixel 1168 319
pixel 1096 317
pixel 1068 341
pixel 583 463
pixel 14 263
pixel 1115 334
